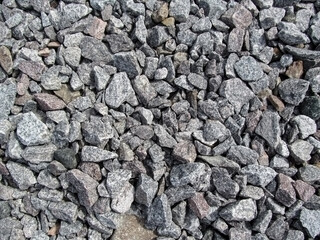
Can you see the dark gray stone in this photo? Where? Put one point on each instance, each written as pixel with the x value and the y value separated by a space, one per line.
pixel 144 89
pixel 119 43
pixel 97 131
pixel 127 62
pixel 94 50
pixel 159 214
pixel 146 190
pixel 67 157
pixel 277 229
pixel 7 98
pixel 164 138
pixel 291 35
pixel 285 193
pixel 222 162
pixel 157 36
pixel 262 221
pixel 223 183
pixel 311 107
pixel 213 9
pixel 270 17
pixel 293 91
pixel 178 194
pixel 242 155
pixel 189 173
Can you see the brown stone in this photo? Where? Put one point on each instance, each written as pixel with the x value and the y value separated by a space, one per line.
pixel 277 103
pixel 131 228
pixel 32 69
pixel 161 14
pixel 304 190
pixel 6 59
pixel 23 84
pixel 184 152
pixel 48 102
pixel 295 70
pixel 285 193
pixel 44 52
pixel 169 22
pixel 96 28
pixel 199 205
pixel 66 94
pixel 54 230
pixel 53 44
pixel 21 100
pixel 92 169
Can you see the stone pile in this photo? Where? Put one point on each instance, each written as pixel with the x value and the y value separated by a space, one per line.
pixel 157 119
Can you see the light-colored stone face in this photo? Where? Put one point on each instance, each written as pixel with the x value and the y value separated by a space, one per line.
pixel 130 228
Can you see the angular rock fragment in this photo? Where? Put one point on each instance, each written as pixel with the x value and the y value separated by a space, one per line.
pixel 7 98
pixel 277 229
pixel 235 40
pixel 39 154
pixel 48 102
pixel 21 175
pixel 270 17
pixel 310 221
pixel 248 69
pixel 146 190
pixel 179 9
pixel 243 210
pixel 300 150
pixel 238 16
pixel 85 186
pixel 159 213
pixel 32 131
pixel 165 139
pixel 199 205
pixel 67 157
pixel 94 50
pixel 184 152
pixel 309 173
pixel 184 174
pixel 127 62
pixel 66 211
pixel 144 89
pixel 304 190
pixel 6 59
pixel 116 180
pixel 95 154
pixel 242 155
pixel 119 43
pixel 215 130
pixel 223 183
pixel 293 90
pixel 259 175
pixel 291 35
pixel 285 193
pixel 121 203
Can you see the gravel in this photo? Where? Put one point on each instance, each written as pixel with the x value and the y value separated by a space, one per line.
pixel 182 119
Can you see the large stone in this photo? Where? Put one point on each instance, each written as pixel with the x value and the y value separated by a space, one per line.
pixel 304 190
pixel 6 59
pixel 291 35
pixel 259 175
pixel 7 98
pixel 301 151
pixel 237 16
pixel 293 90
pixel 116 180
pixel 127 62
pixel 248 69
pixel 237 93
pixel 95 154
pixel 66 211
pixel 144 89
pixel 242 155
pixel 94 50
pixel 121 203
pixel 184 152
pixel 215 130
pixel 165 139
pixel 67 157
pixel 32 131
pixel 243 210
pixel 223 183
pixel 21 175
pixel 159 214
pixel 269 128
pixel 311 107
pixel 179 9
pixel 309 173
pixel 85 186
pixel 189 173
pixel 119 43
pixel 39 154
pixel 97 131
pixel 310 220
pixel 199 205
pixel 270 17
pixel 306 125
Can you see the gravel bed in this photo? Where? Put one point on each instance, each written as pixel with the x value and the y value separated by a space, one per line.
pixel 159 119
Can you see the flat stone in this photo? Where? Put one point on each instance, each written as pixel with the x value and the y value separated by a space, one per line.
pixel 94 50
pixel 159 214
pixel 184 174
pixel 242 155
pixel 127 62
pixel 259 175
pixel 39 154
pixel 237 93
pixel 21 175
pixel 66 211
pixel 301 150
pixel 269 128
pixel 223 162
pixel 119 43
pixel 248 69
pixel 49 102
pixel 310 220
pixel 146 190
pixel 285 193
pixel 243 210
pixel 144 89
pixel 95 154
pixel 184 152
pixel 253 192
pixel 199 205
pixel 223 183
pixel 302 53
pixel 85 185
pixel 32 131
pixel 304 190
pixel 6 59
pixel 7 98
pixel 179 9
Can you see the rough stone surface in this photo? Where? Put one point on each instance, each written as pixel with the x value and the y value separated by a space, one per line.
pixel 184 152
pixel 7 98
pixel 48 102
pixel 248 69
pixel 310 221
pixel 21 175
pixel 293 90
pixel 243 210
pixel 95 154
pixel 259 175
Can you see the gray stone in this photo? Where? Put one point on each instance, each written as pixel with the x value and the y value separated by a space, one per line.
pixel 189 173
pixel 101 4
pixel 248 69
pixel 293 91
pixel 73 12
pixel 164 138
pixel 300 150
pixel 302 53
pixel 239 233
pixel 127 62
pixel 85 186
pixel 253 192
pixel 184 152
pixel 235 40
pixel 50 195
pixel 259 175
pixel 223 162
pixel 21 175
pixel 186 37
pixel 45 178
pixel 237 93
pixel 294 235
pixel 159 214
pixel 202 25
pixel 5 129
pixel 309 173
pixel 262 221
pixel 311 107
pixel 94 50
pixel 95 154
pixel 144 132
pixel 50 78
pixel 315 31
pixel 5 209
pixel 66 211
pixel 178 194
pixel 237 16
pixel 67 157
pixel 101 77
pixel 291 35
pixel 121 203
pixel 271 17
pixel 213 9
pixel 277 229
pixel 242 155
pixel 6 59
pixel 67 229
pixel 269 128
pixel 215 130
pixel 144 89
pixel 179 9
pixel 116 181
pixel 306 125
pixel 72 56
pixel 157 36
pixel 243 210
pixel 119 43
pixel 32 131
pixel 146 190
pixel 160 74
pixel 140 31
pixel 198 81
pixel 199 205
pixel 7 98
pixel 223 183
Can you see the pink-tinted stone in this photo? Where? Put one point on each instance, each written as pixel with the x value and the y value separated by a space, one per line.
pixel 49 102
pixel 285 193
pixel 96 28
pixel 92 169
pixel 23 84
pixel 199 205
pixel 304 190
pixel 32 69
